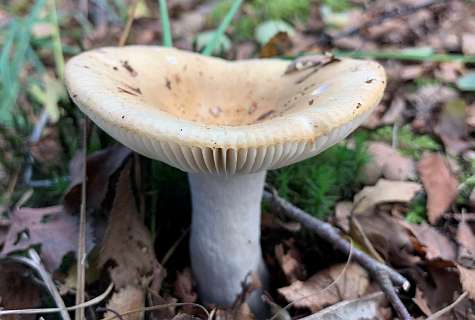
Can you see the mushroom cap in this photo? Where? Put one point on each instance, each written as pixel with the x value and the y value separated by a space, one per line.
pixel 208 115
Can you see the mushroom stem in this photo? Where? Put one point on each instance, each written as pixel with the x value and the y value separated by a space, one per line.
pixel 225 236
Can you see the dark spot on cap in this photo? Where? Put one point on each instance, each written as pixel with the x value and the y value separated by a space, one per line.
pixel 370 80
pixel 126 91
pixel 134 89
pixel 358 105
pixel 115 68
pixel 310 102
pixel 125 64
pixel 168 84
pixel 265 115
pixel 123 117
pixel 86 67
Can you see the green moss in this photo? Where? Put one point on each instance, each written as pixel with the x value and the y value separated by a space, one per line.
pixel 417 213
pixel 284 9
pixel 338 5
pixel 318 183
pixel 409 143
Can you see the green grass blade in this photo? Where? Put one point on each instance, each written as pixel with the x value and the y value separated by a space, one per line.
pixel 166 31
pixel 57 46
pixel 208 50
pixel 5 73
pixel 405 56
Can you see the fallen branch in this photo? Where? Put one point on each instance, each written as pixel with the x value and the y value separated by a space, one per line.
pixel 384 275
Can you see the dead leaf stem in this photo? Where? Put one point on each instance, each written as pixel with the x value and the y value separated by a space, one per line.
pixel 384 275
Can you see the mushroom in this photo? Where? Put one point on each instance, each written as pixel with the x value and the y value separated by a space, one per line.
pixel 225 123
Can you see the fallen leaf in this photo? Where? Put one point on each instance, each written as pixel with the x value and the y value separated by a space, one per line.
pixel 290 261
pixel 388 163
pixel 126 299
pixel 433 244
pixel 368 307
pixel 50 228
pixel 127 248
pixel 385 191
pixel 439 183
pixel 100 166
pixel 451 127
pixel 48 149
pixel 468 43
pixel 467 278
pixel 184 288
pixel 466 241
pixel 17 290
pixel 311 294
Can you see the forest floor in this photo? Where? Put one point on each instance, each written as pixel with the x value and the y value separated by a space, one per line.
pixel 401 187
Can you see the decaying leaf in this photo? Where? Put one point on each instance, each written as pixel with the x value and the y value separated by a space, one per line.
pixel 127 249
pixel 17 290
pixel 439 183
pixel 311 294
pixel 433 244
pixel 368 307
pixel 100 166
pixel 50 228
pixel 385 191
pixel 126 299
pixel 466 241
pixel 386 162
pixel 290 261
pixel 184 288
pixel 467 278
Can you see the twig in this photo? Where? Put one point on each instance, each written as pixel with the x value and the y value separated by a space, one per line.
pixel 34 262
pixel 89 303
pixel 398 13
pixel 443 311
pixel 383 274
pixel 128 25
pixel 81 255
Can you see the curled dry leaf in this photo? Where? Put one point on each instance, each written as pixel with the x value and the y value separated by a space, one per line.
pixel 100 166
pixel 388 163
pixel 50 228
pixel 368 307
pixel 126 299
pixel 17 290
pixel 311 294
pixel 385 191
pixel 439 183
pixel 127 249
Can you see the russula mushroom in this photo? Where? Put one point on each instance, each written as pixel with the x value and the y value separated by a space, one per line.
pixel 225 123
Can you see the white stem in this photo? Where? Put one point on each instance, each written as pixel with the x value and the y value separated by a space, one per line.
pixel 225 236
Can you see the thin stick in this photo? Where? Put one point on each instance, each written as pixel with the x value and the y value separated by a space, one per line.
pixel 89 303
pixel 128 25
pixel 383 274
pixel 210 46
pixel 81 255
pixel 166 30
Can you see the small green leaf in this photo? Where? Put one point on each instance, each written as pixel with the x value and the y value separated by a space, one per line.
pixel 467 82
pixel 203 38
pixel 266 30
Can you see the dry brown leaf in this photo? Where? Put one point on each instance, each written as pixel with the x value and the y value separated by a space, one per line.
pixel 184 288
pixel 290 261
pixel 127 249
pixel 48 149
pixel 421 302
pixel 310 294
pixel 100 166
pixel 368 307
pixel 467 278
pixel 439 183
pixel 342 215
pixel 433 244
pixel 17 290
pixel 466 241
pixel 385 191
pixel 126 299
pixel 50 228
pixel 388 163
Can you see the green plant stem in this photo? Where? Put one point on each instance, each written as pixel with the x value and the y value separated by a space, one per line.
pixel 166 31
pixel 405 56
pixel 57 46
pixel 208 50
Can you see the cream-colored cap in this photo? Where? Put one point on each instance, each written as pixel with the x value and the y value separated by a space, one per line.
pixel 208 115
